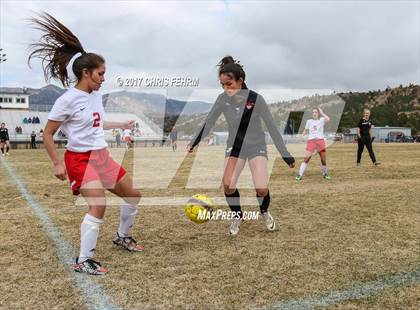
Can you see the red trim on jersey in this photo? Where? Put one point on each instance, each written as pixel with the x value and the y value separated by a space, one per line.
pixel 90 166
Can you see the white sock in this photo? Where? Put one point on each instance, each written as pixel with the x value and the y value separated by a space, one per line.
pixel 324 170
pixel 302 168
pixel 127 217
pixel 89 231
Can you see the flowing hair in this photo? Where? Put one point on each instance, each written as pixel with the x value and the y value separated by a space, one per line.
pixel 56 47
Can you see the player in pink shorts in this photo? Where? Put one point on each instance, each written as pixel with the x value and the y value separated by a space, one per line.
pixel 79 114
pixel 316 143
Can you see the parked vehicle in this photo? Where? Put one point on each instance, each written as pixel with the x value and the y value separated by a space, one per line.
pixel 398 136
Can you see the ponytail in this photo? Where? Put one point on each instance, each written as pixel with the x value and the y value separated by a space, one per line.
pixel 57 46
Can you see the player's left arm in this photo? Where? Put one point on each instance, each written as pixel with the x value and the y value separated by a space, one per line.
pixel 370 128
pixel 325 116
pixel 274 132
pixel 121 125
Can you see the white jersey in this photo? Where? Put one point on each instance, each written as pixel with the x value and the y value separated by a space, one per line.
pixel 127 133
pixel 82 115
pixel 315 128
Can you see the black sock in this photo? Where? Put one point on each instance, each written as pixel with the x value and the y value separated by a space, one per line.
pixel 7 149
pixel 2 150
pixel 264 202
pixel 233 201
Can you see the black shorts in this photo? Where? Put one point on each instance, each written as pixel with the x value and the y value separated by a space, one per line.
pixel 3 140
pixel 247 152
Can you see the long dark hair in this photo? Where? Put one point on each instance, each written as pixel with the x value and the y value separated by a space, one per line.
pixel 57 47
pixel 232 68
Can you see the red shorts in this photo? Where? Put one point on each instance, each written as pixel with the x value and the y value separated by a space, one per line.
pixel 317 145
pixel 91 166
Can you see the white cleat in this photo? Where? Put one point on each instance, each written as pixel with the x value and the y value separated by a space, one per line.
pixel 269 221
pixel 234 226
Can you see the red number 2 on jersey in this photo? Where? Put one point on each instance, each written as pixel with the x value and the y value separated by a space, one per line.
pixel 96 119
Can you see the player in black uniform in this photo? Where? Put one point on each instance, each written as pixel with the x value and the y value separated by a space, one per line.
pixel 243 109
pixel 4 139
pixel 364 137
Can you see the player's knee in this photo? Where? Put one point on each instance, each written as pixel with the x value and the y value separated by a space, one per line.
pixel 97 211
pixel 228 188
pixel 134 197
pixel 261 192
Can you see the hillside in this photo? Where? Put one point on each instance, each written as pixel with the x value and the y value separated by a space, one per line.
pixel 393 106
pixel 398 106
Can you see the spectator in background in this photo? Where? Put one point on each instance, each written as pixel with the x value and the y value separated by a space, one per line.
pixel 17 129
pixel 29 120
pixel 211 140
pixel 4 139
pixel 174 137
pixel 41 133
pixel 25 120
pixel 118 138
pixel 33 140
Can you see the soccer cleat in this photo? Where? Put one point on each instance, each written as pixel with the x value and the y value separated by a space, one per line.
pixel 377 163
pixel 326 177
pixel 234 226
pixel 298 178
pixel 358 164
pixel 127 243
pixel 269 221
pixel 90 266
pixel 3 154
pixel 7 154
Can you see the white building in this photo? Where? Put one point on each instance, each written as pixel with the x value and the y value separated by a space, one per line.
pixel 15 98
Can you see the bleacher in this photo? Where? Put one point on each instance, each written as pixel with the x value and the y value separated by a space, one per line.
pixel 14 118
pixel 146 130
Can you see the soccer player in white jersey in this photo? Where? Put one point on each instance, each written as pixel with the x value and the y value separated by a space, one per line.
pixel 79 114
pixel 127 138
pixel 314 128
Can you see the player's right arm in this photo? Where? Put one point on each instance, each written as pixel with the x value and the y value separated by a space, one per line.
pixel 48 138
pixel 213 115
pixel 306 130
pixel 359 125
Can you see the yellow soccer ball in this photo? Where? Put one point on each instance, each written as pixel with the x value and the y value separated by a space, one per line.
pixel 199 208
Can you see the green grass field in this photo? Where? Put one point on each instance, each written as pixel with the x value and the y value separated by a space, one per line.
pixel 361 226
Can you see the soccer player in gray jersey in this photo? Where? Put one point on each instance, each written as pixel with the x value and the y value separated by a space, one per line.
pixel 244 110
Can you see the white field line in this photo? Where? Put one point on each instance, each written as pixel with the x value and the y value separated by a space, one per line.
pixel 356 291
pixel 94 295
